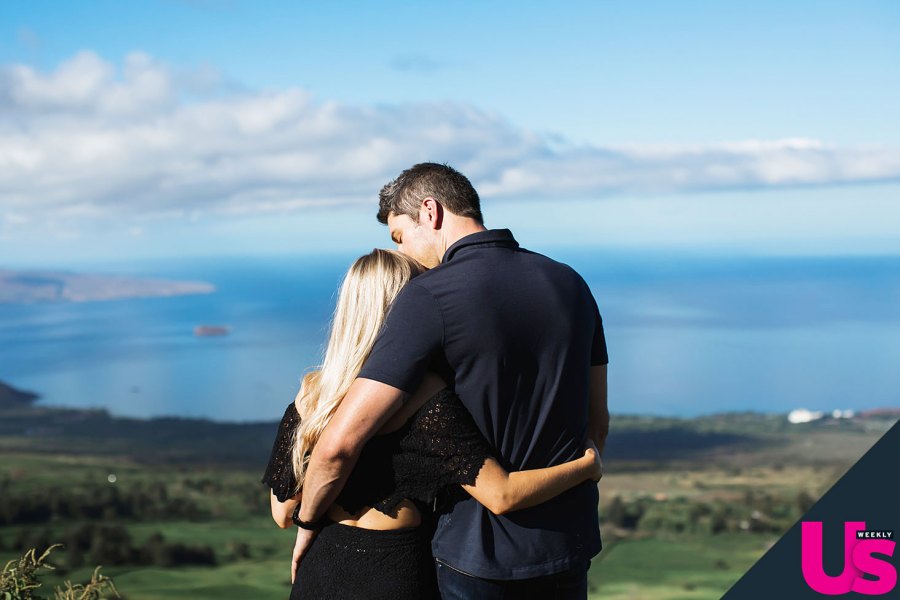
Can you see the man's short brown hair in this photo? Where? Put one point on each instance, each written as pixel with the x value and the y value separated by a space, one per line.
pixel 404 195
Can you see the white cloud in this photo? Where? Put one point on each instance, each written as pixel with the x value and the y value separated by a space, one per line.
pixel 89 140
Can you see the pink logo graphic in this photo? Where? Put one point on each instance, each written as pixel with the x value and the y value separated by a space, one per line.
pixel 858 560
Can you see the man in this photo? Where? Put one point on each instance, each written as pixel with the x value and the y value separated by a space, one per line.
pixel 519 337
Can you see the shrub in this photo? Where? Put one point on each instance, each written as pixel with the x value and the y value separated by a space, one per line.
pixel 19 580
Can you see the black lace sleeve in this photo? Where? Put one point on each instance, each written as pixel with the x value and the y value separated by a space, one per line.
pixel 280 472
pixel 447 434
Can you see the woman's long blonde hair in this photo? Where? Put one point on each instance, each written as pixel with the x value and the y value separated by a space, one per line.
pixel 366 293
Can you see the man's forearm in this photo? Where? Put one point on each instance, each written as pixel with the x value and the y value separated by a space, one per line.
pixel 365 408
pixel 326 475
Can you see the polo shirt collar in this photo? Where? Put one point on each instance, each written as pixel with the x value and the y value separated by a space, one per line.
pixel 490 237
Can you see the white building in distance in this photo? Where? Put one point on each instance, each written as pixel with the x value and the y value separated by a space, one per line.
pixel 802 415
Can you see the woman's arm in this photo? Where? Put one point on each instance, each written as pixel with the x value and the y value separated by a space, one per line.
pixel 280 471
pixel 502 492
pixel 466 458
pixel 282 511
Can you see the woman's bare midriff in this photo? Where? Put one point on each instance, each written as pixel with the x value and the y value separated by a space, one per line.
pixel 370 518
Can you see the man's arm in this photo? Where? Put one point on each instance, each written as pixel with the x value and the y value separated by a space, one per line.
pixel 598 414
pixel 363 411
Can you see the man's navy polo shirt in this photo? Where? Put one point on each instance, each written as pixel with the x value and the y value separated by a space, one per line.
pixel 515 334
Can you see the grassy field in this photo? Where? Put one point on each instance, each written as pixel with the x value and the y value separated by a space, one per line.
pixel 670 553
pixel 680 567
pixel 672 567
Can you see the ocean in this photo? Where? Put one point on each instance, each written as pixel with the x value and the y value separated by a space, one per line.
pixel 687 335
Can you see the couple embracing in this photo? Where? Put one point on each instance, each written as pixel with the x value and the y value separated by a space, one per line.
pixel 449 446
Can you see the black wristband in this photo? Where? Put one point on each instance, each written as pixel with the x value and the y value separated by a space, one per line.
pixel 308 525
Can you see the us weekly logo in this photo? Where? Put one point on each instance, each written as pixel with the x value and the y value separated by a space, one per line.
pixel 864 571
pixel 845 545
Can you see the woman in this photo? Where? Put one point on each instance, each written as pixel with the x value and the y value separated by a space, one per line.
pixel 377 541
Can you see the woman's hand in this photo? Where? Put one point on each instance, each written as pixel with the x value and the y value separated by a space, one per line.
pixel 592 457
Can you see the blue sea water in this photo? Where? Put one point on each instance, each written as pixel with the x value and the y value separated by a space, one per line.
pixel 687 335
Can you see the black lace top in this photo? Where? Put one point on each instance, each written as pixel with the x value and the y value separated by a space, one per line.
pixel 437 449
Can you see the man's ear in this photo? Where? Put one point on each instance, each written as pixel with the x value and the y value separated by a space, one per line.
pixel 431 213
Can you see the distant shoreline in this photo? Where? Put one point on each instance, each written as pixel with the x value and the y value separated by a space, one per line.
pixel 12 398
pixel 35 287
pixel 27 426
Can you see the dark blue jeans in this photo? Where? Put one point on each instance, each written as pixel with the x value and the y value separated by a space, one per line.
pixel 567 585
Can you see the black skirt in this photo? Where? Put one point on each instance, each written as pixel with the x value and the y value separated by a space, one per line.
pixel 350 563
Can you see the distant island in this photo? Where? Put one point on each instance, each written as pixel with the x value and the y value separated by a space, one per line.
pixel 28 287
pixel 211 330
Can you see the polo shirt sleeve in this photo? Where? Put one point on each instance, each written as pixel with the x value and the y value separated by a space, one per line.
pixel 598 345
pixel 409 341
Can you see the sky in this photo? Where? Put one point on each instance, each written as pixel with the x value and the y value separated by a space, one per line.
pixel 157 129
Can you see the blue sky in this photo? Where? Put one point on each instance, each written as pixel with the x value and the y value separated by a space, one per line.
pixel 207 127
